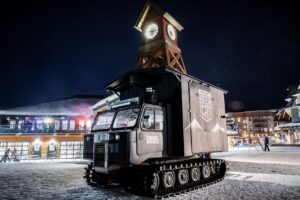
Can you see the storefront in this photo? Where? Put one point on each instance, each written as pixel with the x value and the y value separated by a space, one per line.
pixel 53 130
pixel 43 147
pixel 21 147
pixel 288 133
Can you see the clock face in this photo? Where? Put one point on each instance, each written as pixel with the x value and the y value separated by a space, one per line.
pixel 151 31
pixel 171 32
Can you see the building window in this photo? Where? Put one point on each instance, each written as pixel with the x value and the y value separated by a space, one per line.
pixel 12 124
pixel 64 125
pixel 57 125
pixel 72 125
pixel 71 149
pixel 265 129
pixel 81 124
pixel 88 124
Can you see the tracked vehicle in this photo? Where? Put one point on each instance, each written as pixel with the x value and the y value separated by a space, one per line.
pixel 157 139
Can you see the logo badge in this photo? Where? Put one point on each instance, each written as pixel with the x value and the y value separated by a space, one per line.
pixel 205 105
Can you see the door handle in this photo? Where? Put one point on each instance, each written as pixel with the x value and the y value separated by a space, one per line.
pixel 140 135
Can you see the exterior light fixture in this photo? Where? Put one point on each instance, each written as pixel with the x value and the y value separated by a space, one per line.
pixel 117 137
pixel 48 120
pixel 37 141
pixel 52 141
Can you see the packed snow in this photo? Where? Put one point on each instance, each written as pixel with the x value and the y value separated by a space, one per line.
pixel 244 180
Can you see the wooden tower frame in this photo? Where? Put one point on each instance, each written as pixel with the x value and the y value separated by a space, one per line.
pixel 162 50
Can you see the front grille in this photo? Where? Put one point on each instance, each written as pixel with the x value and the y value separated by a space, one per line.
pixel 99 156
pixel 113 152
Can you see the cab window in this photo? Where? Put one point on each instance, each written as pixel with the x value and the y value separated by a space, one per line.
pixel 159 119
pixel 148 119
pixel 152 119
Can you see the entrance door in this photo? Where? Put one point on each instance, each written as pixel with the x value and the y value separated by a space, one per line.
pixel 150 133
pixel 51 150
pixel 36 150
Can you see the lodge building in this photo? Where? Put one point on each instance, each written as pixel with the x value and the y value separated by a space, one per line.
pixel 250 124
pixel 52 130
pixel 290 132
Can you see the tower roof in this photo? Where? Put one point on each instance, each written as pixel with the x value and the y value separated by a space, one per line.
pixel 151 8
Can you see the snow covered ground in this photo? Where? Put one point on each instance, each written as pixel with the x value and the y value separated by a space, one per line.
pixel 262 178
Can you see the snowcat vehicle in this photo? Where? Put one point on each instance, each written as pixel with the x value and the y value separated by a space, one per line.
pixel 157 139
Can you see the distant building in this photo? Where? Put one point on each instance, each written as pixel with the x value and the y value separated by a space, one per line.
pixel 48 130
pixel 241 126
pixel 290 132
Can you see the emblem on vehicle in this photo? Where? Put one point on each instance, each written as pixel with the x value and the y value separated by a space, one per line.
pixel 205 105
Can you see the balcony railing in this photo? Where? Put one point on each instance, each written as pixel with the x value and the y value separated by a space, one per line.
pixel 28 129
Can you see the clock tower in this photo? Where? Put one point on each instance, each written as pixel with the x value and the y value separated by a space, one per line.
pixel 159 46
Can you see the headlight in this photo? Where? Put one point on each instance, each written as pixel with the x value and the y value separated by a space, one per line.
pixel 117 137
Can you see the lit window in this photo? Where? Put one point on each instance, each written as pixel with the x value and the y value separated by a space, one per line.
pixel 64 125
pixel 12 124
pixel 39 124
pixel 56 124
pixel 270 129
pixel 72 125
pixel 88 124
pixel 81 124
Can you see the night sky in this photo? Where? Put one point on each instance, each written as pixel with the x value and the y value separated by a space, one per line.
pixel 55 49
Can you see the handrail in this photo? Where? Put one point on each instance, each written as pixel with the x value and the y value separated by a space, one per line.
pixel 27 129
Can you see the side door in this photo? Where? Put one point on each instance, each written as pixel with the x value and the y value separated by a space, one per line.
pixel 150 131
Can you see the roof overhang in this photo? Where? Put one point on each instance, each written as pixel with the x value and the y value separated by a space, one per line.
pixel 146 10
pixel 287 125
pixel 123 80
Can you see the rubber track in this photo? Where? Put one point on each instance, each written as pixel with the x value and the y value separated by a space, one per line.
pixel 141 178
pixel 145 190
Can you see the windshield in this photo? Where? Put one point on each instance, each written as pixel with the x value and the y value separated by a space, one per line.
pixel 126 118
pixel 103 120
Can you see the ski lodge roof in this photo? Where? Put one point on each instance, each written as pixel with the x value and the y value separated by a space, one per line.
pixel 80 105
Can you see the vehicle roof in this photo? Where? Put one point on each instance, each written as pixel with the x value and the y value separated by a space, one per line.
pixel 120 82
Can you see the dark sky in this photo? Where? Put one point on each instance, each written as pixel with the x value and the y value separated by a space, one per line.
pixel 55 49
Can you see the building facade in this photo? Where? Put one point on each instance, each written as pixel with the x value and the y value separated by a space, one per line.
pixel 290 132
pixel 52 130
pixel 241 126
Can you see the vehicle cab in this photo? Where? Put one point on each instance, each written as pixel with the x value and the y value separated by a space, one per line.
pixel 127 134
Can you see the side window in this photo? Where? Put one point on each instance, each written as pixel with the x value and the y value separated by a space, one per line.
pixel 159 120
pixel 153 119
pixel 148 119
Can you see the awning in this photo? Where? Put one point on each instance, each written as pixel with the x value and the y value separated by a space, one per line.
pixel 288 125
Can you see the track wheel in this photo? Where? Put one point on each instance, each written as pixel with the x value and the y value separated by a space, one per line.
pixel 155 182
pixel 168 179
pixel 213 168
pixel 183 176
pixel 206 171
pixel 195 174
